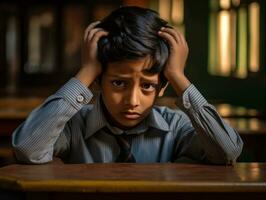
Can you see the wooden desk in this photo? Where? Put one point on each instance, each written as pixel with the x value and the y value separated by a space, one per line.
pixel 13 111
pixel 131 181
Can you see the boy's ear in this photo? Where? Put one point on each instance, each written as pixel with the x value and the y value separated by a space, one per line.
pixel 162 90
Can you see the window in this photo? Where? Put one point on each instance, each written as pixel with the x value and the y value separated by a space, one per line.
pixel 41 39
pixel 40 42
pixel 74 23
pixel 234 35
pixel 9 38
pixel 172 11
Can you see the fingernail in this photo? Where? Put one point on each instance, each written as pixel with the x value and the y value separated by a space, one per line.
pixel 160 32
pixel 162 28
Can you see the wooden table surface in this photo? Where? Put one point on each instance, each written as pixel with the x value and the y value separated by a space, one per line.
pixel 243 177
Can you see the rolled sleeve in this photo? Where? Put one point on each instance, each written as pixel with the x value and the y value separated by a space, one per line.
pixel 191 99
pixel 221 143
pixel 34 140
pixel 75 93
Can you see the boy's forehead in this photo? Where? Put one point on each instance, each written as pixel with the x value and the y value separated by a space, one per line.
pixel 142 65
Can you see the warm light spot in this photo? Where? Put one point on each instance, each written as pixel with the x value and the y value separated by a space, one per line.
pixel 242 44
pixel 254 124
pixel 236 2
pixel 242 124
pixel 224 110
pixel 164 9
pixel 177 11
pixel 255 172
pixel 224 42
pixel 249 172
pixel 254 165
pixel 234 38
pixel 254 11
pixel 225 4
pixel 233 22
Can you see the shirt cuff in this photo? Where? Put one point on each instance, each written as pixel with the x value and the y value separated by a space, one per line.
pixel 191 99
pixel 76 93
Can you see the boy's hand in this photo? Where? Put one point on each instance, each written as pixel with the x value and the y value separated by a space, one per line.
pixel 91 67
pixel 174 69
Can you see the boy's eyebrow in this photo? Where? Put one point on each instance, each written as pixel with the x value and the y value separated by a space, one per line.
pixel 145 72
pixel 119 75
pixel 128 77
pixel 148 71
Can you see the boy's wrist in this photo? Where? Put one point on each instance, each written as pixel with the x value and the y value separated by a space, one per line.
pixel 179 82
pixel 86 75
pixel 191 98
pixel 76 93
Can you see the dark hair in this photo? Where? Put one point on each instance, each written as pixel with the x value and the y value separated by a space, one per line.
pixel 133 34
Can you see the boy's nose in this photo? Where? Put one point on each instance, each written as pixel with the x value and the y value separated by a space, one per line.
pixel 132 98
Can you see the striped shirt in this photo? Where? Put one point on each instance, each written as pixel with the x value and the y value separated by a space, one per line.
pixel 65 125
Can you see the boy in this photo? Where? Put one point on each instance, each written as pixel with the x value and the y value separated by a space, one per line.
pixel 133 54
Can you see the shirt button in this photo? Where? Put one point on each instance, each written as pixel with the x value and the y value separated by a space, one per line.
pixel 187 105
pixel 80 98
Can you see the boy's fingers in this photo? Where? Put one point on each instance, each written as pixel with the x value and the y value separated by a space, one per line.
pixel 91 26
pixel 93 32
pixel 98 35
pixel 173 33
pixel 179 37
pixel 168 37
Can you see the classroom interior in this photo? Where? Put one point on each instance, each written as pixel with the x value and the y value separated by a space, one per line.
pixel 40 49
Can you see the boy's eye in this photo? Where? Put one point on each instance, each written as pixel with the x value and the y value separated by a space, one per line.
pixel 149 87
pixel 118 83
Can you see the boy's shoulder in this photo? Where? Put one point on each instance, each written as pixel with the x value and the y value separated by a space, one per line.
pixel 170 114
pixel 175 118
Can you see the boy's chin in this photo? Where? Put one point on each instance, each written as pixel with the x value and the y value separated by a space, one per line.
pixel 126 125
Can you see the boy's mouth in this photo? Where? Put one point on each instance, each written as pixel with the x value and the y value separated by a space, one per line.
pixel 131 115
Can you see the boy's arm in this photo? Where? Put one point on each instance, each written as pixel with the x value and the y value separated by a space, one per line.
pixel 213 140
pixel 220 142
pixel 34 140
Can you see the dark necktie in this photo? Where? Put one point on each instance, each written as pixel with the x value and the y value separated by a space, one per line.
pixel 125 149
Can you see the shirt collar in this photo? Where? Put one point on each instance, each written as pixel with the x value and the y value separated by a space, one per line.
pixel 156 120
pixel 96 120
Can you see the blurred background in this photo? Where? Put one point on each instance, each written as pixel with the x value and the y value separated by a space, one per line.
pixel 40 50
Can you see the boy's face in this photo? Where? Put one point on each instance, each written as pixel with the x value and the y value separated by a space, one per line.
pixel 129 91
